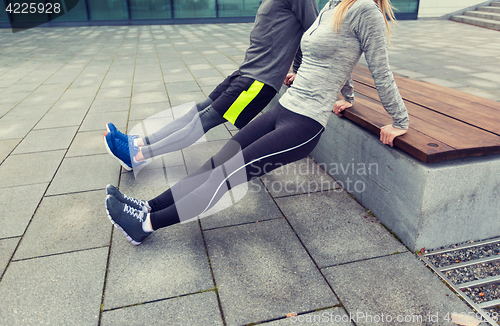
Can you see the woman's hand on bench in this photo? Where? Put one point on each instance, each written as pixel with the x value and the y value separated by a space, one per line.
pixel 388 133
pixel 340 106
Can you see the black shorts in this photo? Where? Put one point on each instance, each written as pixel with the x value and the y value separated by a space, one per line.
pixel 239 99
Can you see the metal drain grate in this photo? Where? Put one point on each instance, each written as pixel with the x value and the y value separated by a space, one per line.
pixel 473 271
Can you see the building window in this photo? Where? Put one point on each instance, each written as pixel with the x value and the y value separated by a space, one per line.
pixel 194 8
pixel 238 8
pixel 150 9
pixel 107 9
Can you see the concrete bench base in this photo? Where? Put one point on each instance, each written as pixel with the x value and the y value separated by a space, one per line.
pixel 425 205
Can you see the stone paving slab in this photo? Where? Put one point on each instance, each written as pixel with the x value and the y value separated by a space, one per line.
pixel 30 196
pixel 116 81
pixel 154 86
pixel 335 229
pixel 110 104
pixel 6 147
pixel 146 185
pixel 197 154
pixel 333 316
pixel 175 174
pixel 85 173
pixel 56 290
pixel 55 119
pixel 20 113
pixel 46 140
pixel 74 93
pixel 270 273
pixel 68 102
pixel 144 111
pixel 16 129
pixel 25 169
pixel 41 98
pixel 97 121
pixel 114 93
pixel 300 177
pixel 185 97
pixel 14 98
pixel 4 108
pixel 169 263
pixel 195 309
pixel 218 133
pixel 255 205
pixel 7 247
pixel 87 143
pixel 141 76
pixel 397 285
pixel 75 222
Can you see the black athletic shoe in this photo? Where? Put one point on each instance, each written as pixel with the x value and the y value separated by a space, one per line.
pixel 138 204
pixel 127 219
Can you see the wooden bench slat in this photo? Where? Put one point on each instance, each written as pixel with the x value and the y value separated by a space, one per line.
pixel 444 123
pixel 464 145
pixel 413 142
pixel 457 134
pixel 362 70
pixel 488 119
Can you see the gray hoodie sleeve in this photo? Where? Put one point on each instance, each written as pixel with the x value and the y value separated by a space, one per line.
pixel 371 31
pixel 305 11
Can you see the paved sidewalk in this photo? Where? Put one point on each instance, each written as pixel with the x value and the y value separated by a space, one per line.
pixel 309 249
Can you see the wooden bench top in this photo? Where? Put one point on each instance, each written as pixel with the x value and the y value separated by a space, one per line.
pixel 444 123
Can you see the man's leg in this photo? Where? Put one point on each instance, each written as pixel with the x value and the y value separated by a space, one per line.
pixel 188 135
pixel 177 124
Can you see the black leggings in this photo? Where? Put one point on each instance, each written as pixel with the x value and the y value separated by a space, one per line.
pixel 276 138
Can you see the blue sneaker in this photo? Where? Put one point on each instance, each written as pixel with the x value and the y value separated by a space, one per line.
pixel 110 128
pixel 122 151
pixel 127 219
pixel 140 205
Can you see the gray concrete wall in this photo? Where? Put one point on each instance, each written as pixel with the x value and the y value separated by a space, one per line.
pixel 425 205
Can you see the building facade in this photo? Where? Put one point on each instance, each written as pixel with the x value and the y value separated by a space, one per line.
pixel 135 12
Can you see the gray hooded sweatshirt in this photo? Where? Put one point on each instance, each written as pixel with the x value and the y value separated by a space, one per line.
pixel 275 37
pixel 328 60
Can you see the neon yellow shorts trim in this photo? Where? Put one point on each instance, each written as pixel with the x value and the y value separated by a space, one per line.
pixel 242 101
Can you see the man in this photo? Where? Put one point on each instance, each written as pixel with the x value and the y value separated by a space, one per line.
pixel 274 41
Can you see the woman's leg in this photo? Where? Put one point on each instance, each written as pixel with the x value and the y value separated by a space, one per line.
pixel 293 137
pixel 253 131
pixel 135 222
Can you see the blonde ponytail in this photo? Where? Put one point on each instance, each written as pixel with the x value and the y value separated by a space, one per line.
pixel 342 7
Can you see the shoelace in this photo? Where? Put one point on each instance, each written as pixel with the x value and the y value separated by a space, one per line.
pixel 134 212
pixel 123 146
pixel 135 201
pixel 127 147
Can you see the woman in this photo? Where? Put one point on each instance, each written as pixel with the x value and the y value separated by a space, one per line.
pixel 331 48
